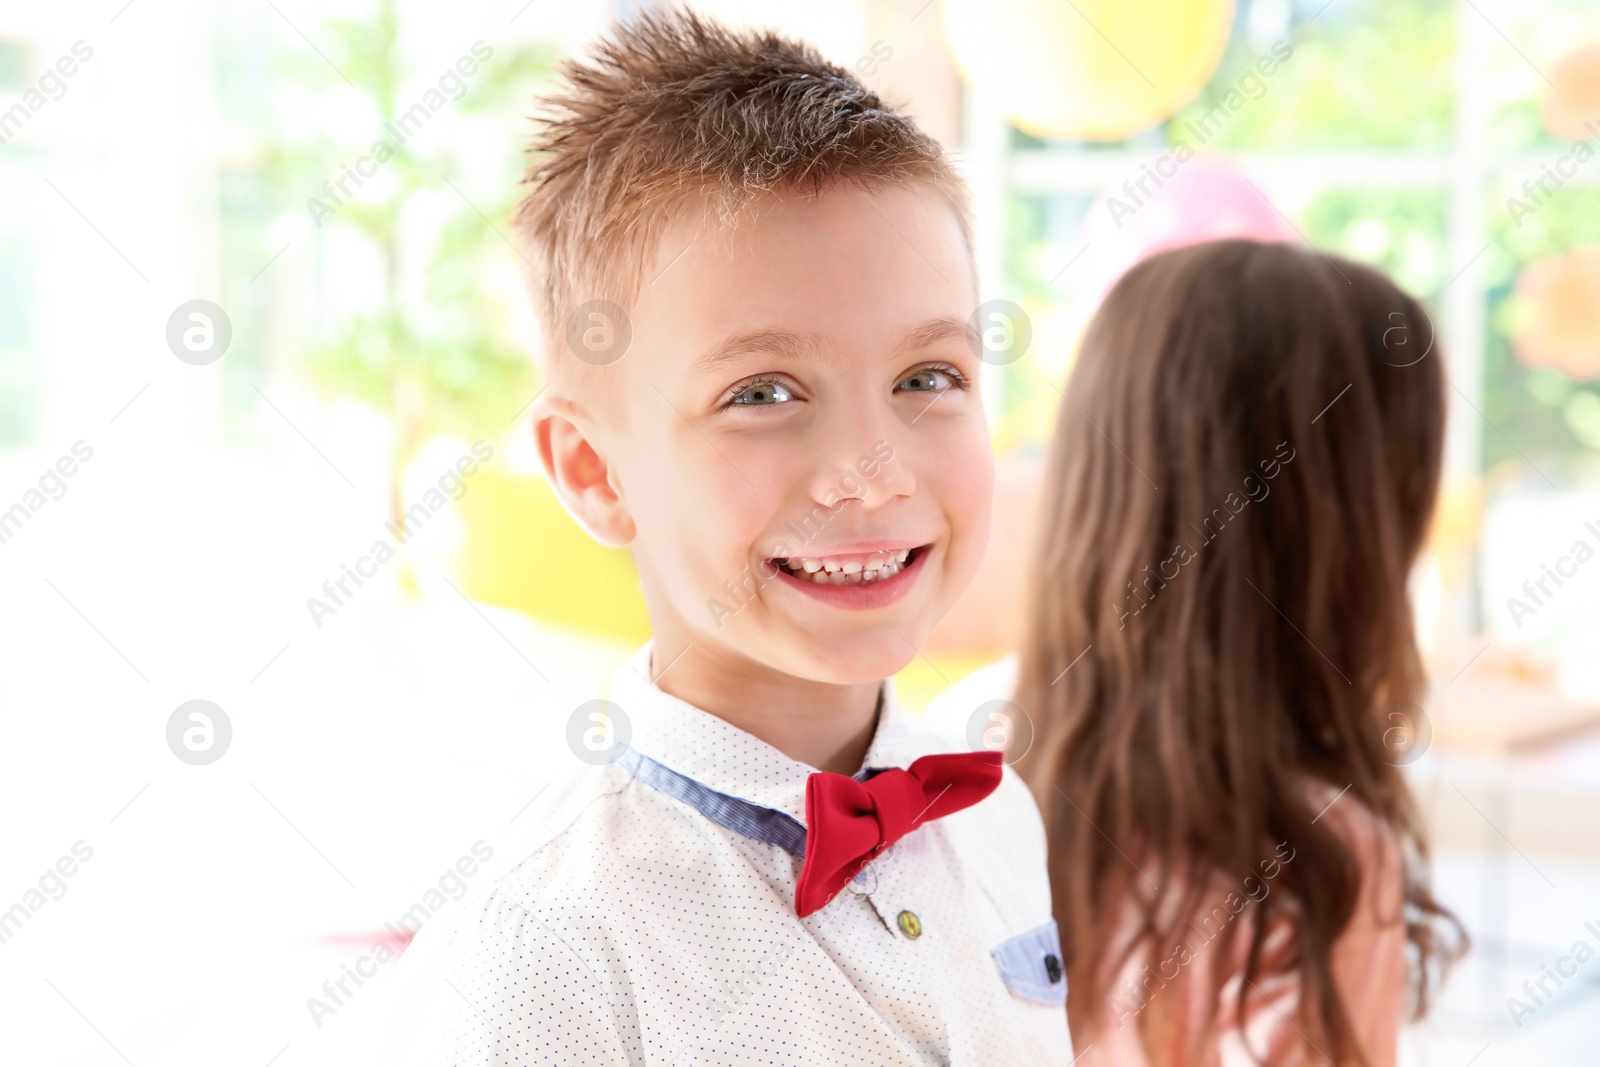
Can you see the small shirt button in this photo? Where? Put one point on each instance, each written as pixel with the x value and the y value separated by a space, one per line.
pixel 910 925
pixel 1052 967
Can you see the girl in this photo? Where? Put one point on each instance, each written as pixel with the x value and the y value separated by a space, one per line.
pixel 1241 479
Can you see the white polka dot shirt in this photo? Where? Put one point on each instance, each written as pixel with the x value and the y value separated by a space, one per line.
pixel 651 920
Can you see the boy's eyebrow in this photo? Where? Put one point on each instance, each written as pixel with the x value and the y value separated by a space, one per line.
pixel 771 342
pixel 790 344
pixel 941 329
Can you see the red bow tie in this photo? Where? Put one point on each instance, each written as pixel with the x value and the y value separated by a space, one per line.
pixel 849 822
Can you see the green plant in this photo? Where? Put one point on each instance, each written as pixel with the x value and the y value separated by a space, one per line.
pixel 434 349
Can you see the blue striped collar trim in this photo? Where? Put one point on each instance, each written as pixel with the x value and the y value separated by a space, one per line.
pixel 726 759
pixel 763 824
pixel 753 821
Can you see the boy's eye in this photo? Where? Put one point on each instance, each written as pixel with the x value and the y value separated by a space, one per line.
pixel 762 394
pixel 929 380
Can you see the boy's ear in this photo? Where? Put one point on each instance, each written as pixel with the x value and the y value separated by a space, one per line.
pixel 579 472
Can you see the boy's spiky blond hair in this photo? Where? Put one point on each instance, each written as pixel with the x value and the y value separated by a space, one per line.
pixel 673 111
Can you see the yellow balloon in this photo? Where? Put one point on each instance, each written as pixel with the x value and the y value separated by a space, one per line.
pixel 1097 70
pixel 524 551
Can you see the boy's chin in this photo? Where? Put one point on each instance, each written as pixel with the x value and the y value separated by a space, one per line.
pixel 853 663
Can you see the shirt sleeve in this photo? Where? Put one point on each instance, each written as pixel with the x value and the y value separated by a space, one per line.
pixel 507 990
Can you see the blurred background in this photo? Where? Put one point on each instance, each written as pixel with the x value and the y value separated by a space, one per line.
pixel 257 303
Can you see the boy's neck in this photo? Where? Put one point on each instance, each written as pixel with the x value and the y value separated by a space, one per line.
pixel 825 726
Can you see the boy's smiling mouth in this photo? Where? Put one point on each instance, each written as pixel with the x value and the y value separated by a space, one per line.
pixel 854 579
pixel 854 568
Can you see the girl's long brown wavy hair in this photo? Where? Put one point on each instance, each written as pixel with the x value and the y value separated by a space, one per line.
pixel 1242 476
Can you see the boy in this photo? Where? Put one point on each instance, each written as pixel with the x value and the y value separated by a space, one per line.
pixel 755 282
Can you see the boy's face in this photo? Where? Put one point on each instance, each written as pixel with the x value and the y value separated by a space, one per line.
pixel 805 390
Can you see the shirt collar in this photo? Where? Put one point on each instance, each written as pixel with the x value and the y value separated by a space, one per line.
pixel 728 760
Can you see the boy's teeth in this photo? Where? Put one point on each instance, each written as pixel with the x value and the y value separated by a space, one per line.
pixel 853 571
pixel 848 577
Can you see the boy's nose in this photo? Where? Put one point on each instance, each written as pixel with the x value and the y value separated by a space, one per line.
pixel 864 467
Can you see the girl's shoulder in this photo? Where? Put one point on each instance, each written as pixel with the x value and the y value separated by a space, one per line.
pixel 1374 846
pixel 1200 983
